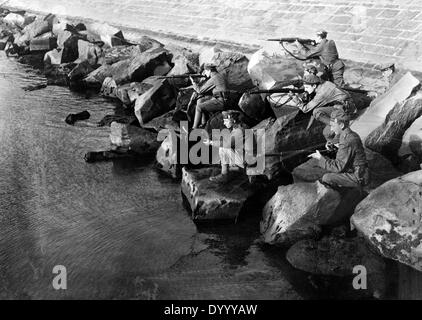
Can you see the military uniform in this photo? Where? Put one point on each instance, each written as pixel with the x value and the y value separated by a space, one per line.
pixel 217 87
pixel 327 96
pixel 327 52
pixel 350 168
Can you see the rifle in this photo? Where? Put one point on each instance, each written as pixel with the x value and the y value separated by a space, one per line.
pixel 290 40
pixel 184 76
pixel 293 153
pixel 282 90
pixel 355 90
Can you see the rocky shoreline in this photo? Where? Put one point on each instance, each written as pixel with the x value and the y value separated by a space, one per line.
pixel 299 212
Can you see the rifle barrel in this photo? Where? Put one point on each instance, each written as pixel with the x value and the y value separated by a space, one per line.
pixel 185 76
pixel 278 91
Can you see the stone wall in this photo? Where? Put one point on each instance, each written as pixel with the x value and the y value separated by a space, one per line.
pixel 370 31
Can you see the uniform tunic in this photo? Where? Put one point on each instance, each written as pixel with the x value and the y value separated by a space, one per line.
pixel 348 169
pixel 217 86
pixel 327 52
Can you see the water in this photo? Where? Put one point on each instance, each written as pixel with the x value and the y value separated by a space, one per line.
pixel 119 228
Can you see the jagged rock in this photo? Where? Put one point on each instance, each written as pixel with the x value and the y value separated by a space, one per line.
pixel 381 170
pixel 129 93
pixel 116 71
pixel 387 138
pixel 145 64
pixel 81 71
pixel 254 106
pixel 15 19
pixel 71 48
pixel 390 219
pixel 145 43
pixel 167 157
pixel 158 100
pixel 135 69
pixel 90 52
pixel 44 42
pixel 111 36
pixel 266 68
pixel 138 140
pixel 234 65
pixel 119 53
pixel 375 115
pixel 412 140
pixel 166 121
pixel 61 34
pixel 296 212
pixel 36 28
pixel 211 201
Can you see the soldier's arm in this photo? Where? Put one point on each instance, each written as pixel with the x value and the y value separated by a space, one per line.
pixel 314 52
pixel 316 102
pixel 338 165
pixel 206 87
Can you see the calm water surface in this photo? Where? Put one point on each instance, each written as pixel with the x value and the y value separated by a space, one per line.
pixel 119 227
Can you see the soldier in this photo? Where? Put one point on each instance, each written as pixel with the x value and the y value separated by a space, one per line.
pixel 350 168
pixel 231 151
pixel 327 97
pixel 326 51
pixel 217 86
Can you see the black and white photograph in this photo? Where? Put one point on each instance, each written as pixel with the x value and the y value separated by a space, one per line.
pixel 222 152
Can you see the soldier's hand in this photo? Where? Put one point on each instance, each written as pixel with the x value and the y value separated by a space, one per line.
pixel 315 155
pixel 329 146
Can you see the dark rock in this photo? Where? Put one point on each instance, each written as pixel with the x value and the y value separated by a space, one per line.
pixel 119 53
pixel 234 65
pixel 117 71
pixel 389 219
pixel 332 256
pixel 71 49
pixel 387 138
pixel 144 65
pixel 136 139
pixel 412 140
pixel 254 106
pixel 296 212
pixel 99 156
pixel 72 118
pixel 166 121
pixel 158 100
pixel 145 43
pixel 59 74
pixel 129 93
pixel 36 28
pixel 81 71
pixel 211 201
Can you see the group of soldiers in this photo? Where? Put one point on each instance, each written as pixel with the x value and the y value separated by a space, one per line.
pixel 325 96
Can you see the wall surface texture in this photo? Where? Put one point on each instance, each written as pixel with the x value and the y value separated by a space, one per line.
pixel 370 31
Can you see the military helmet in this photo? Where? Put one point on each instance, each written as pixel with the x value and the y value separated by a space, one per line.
pixel 311 79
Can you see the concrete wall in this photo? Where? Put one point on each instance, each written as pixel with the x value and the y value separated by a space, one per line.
pixel 369 31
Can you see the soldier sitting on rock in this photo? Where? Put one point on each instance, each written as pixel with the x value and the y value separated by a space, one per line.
pixel 326 50
pixel 217 87
pixel 350 168
pixel 231 151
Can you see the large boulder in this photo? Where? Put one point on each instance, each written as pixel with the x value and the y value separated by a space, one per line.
pixel 36 28
pixel 138 140
pixel 158 100
pixel 90 52
pixel 296 212
pixel 380 168
pixel 375 115
pixel 234 65
pixel 141 66
pixel 334 256
pixel 111 36
pixel 209 200
pixel 129 93
pixel 254 106
pixel 390 219
pixel 387 138
pixel 119 53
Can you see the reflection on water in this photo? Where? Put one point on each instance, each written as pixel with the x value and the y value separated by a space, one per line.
pixel 119 228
